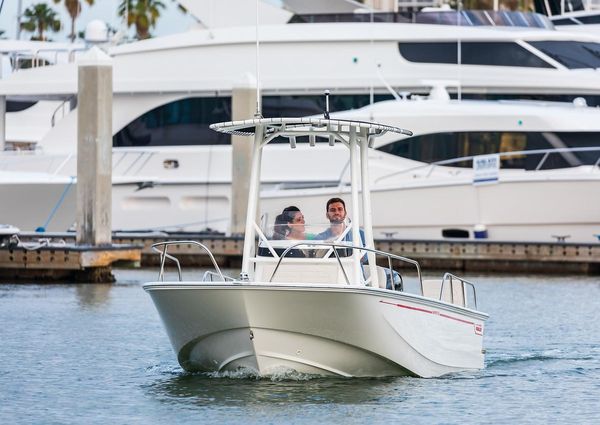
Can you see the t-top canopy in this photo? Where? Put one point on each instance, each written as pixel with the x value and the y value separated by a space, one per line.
pixel 315 127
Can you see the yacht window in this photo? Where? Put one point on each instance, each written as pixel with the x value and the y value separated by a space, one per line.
pixel 186 121
pixel 564 21
pixel 444 146
pixel 472 53
pixel 18 105
pixel 572 54
pixel 183 122
pixel 590 19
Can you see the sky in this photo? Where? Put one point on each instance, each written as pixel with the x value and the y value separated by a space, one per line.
pixel 171 20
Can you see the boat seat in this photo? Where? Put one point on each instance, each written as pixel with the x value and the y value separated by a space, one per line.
pixel 431 289
pixel 303 270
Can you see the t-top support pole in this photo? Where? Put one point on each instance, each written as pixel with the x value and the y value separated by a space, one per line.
pixel 253 197
pixel 366 205
pixel 354 176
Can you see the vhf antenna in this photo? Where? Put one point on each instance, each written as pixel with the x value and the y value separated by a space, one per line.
pixel 326 112
pixel 258 113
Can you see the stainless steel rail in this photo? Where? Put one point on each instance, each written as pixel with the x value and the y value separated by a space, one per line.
pixel 545 152
pixel 335 246
pixel 164 255
pixel 449 277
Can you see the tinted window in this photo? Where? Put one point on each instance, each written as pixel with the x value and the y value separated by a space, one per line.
pixel 186 121
pixel 472 53
pixel 592 19
pixel 572 54
pixel 564 21
pixel 442 146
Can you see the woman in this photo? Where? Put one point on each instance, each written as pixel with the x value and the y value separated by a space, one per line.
pixel 290 224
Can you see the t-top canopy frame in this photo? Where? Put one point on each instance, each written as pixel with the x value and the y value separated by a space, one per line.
pixel 334 130
pixel 353 134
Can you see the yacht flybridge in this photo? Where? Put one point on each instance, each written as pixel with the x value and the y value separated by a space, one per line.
pixel 330 309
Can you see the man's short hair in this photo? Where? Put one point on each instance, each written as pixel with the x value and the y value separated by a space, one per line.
pixel 333 201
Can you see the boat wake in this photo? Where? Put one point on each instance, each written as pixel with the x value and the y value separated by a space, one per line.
pixel 276 375
pixel 535 357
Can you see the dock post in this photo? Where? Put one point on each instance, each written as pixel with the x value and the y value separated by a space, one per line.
pixel 2 123
pixel 2 113
pixel 243 106
pixel 94 149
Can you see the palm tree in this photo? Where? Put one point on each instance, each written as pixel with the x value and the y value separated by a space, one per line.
pixel 141 13
pixel 39 17
pixel 74 9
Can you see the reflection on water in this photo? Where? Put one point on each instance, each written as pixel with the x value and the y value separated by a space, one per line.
pixel 93 295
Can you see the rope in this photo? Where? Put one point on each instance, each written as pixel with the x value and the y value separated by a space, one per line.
pixel 15 242
pixel 56 207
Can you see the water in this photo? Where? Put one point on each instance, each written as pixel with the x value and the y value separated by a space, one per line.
pixel 98 354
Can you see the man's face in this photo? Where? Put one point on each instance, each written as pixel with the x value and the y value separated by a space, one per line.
pixel 336 213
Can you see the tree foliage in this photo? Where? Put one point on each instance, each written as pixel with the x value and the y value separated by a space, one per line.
pixel 141 13
pixel 74 9
pixel 41 18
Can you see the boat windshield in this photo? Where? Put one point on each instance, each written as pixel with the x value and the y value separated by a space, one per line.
pixel 290 233
pixel 280 236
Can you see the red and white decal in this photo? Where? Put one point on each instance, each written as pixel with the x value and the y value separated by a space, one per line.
pixel 478 328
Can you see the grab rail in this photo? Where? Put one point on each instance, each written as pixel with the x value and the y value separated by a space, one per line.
pixel 335 246
pixel 164 255
pixel 546 153
pixel 450 277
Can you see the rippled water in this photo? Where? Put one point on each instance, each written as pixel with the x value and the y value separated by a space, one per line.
pixel 99 354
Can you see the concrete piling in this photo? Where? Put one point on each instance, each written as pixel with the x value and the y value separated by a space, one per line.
pixel 94 149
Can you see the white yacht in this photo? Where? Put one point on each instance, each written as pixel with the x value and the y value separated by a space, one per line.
pixel 425 186
pixel 171 173
pixel 319 313
pixel 411 174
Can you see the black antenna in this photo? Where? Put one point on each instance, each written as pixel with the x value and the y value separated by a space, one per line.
pixel 326 113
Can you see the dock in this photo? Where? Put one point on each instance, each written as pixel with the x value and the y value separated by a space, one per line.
pixel 55 259
pixel 458 255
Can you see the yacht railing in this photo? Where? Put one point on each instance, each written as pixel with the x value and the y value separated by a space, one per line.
pixel 162 249
pixel 470 18
pixel 42 57
pixel 545 152
pixel 333 249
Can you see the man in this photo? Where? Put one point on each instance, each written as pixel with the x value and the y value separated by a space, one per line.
pixel 336 214
pixel 335 211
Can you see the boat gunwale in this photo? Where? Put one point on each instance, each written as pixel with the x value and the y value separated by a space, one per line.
pixel 355 289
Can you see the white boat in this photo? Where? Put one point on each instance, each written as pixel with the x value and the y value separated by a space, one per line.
pixel 542 192
pixel 170 173
pixel 37 201
pixel 319 315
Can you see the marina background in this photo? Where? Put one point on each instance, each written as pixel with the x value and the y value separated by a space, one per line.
pixel 99 354
pixel 171 19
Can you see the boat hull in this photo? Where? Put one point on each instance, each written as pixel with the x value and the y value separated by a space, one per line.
pixel 324 330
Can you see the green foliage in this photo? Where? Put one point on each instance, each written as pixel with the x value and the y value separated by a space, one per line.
pixel 74 9
pixel 41 18
pixel 141 13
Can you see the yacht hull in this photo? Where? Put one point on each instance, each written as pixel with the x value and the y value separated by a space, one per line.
pixel 519 209
pixel 323 330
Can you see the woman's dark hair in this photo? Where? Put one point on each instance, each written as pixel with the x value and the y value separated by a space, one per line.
pixel 281 227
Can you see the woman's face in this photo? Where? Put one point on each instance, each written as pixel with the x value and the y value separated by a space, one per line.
pixel 297 223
